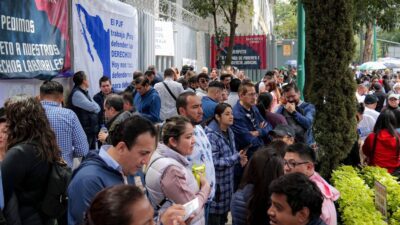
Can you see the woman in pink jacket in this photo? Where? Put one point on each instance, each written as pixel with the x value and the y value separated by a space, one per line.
pixel 169 177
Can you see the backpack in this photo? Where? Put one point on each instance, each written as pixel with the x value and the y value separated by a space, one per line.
pixel 54 203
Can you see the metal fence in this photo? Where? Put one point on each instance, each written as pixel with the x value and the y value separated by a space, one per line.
pixel 189 34
pixel 255 75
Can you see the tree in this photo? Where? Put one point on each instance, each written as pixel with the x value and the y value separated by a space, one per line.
pixel 205 8
pixel 384 12
pixel 391 35
pixel 330 47
pixel 285 20
pixel 230 10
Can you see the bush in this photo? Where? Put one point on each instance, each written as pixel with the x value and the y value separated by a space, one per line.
pixel 356 203
pixel 372 174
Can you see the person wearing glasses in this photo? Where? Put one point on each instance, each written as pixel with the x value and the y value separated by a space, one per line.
pixel 299 114
pixel 203 80
pixel 300 158
pixel 249 126
pixel 392 102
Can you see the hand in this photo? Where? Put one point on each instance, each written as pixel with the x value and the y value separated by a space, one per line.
pixel 243 158
pixel 102 137
pixel 263 124
pixel 203 181
pixel 314 146
pixel 173 215
pixel 365 162
pixel 255 133
pixel 290 107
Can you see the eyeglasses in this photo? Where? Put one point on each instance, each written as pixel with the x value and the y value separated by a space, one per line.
pixel 292 164
pixel 203 81
pixel 254 94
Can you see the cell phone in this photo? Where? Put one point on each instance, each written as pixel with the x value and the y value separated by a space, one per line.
pixel 191 207
pixel 247 147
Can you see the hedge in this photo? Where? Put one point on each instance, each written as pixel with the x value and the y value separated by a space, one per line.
pixel 356 202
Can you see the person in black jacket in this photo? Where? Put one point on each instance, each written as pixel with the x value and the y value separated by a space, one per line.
pixel 32 146
pixel 105 89
pixel 378 92
pixel 85 108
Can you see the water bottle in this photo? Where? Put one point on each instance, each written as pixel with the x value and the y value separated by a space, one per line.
pixel 198 170
pixel 103 129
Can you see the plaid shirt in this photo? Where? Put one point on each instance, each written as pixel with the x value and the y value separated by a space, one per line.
pixel 225 157
pixel 69 133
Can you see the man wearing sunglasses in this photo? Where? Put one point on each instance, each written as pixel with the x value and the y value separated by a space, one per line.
pixel 202 79
pixel 301 158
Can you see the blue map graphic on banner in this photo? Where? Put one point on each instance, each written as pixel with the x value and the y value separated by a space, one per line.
pixel 99 36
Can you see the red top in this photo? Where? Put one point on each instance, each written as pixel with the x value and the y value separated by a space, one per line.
pixel 385 154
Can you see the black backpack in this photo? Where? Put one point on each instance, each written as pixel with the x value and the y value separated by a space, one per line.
pixel 54 203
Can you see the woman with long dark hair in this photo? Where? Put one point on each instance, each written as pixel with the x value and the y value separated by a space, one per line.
pixel 3 137
pixel 264 105
pixel 272 88
pixel 382 146
pixel 32 147
pixel 225 157
pixel 252 199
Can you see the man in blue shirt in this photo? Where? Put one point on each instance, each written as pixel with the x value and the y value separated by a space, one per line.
pixel 132 144
pixel 147 101
pixel 69 133
pixel 298 114
pixel 214 96
pixel 249 126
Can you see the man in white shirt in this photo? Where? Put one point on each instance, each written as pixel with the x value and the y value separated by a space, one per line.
pixel 189 105
pixel 365 123
pixel 362 90
pixel 203 80
pixel 168 90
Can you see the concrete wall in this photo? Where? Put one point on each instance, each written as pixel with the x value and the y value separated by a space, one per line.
pixel 10 88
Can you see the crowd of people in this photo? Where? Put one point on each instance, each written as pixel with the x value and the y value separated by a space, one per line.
pixel 214 140
pixel 378 117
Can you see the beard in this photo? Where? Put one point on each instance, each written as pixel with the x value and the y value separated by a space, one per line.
pixel 193 120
